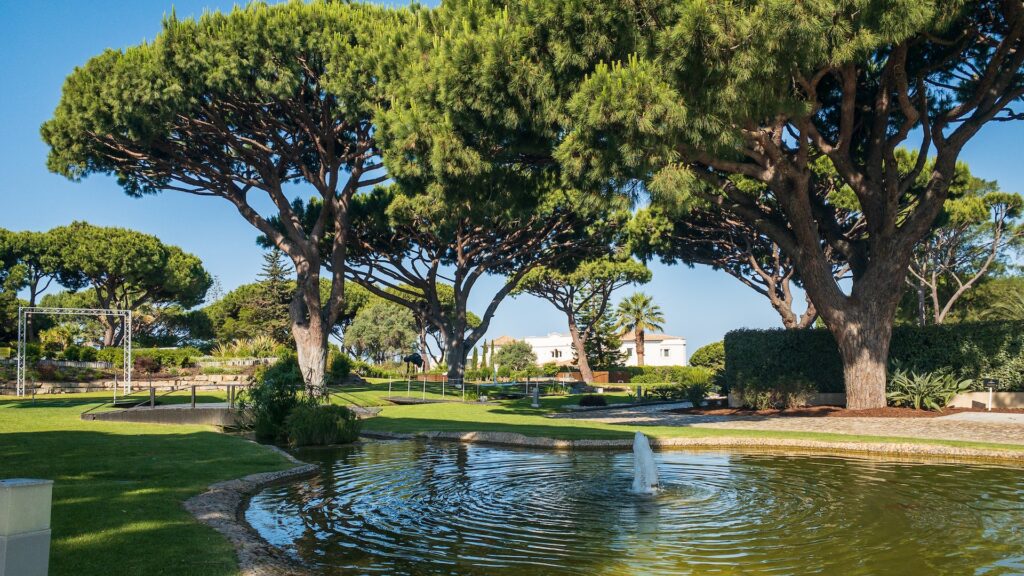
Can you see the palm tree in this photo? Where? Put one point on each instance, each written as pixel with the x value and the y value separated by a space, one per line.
pixel 1012 308
pixel 639 313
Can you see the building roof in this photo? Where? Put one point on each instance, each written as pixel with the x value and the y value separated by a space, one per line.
pixel 503 340
pixel 649 337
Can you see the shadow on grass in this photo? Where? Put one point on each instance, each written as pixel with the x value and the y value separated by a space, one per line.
pixel 116 492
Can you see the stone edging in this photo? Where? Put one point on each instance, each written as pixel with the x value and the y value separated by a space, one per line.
pixel 892 449
pixel 222 505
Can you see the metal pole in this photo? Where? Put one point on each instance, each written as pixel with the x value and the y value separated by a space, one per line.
pixel 193 396
pixel 424 397
pixel 152 395
pixel 128 352
pixel 389 388
pixel 444 379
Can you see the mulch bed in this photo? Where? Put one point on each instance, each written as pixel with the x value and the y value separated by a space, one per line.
pixel 837 412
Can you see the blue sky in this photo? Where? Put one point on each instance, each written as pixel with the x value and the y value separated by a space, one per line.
pixel 42 41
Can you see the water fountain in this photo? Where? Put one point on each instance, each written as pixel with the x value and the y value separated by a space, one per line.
pixel 645 471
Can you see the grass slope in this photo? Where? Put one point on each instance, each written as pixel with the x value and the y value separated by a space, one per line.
pixel 118 488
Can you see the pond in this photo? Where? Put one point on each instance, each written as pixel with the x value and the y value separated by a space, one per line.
pixel 416 507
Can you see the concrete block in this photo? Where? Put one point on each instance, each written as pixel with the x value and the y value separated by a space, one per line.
pixel 24 505
pixel 25 554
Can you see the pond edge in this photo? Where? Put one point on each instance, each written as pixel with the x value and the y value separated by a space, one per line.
pixel 223 505
pixel 776 445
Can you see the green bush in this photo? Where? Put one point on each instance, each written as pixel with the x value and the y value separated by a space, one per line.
pixel 710 356
pixel 339 366
pixel 696 392
pixel 550 369
pixel 975 351
pixel 932 391
pixel 776 392
pixel 146 364
pixel 268 403
pixel 182 357
pixel 311 425
pixel 593 400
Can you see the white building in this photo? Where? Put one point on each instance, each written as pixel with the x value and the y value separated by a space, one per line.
pixel 659 349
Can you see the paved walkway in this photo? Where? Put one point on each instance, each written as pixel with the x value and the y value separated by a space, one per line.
pixel 974 426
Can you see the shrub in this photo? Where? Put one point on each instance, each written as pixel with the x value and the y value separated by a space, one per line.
pixel 973 350
pixel 931 391
pixel 268 403
pixel 47 372
pixel 166 356
pixel 710 356
pixel 147 364
pixel 649 378
pixel 550 369
pixel 779 392
pixel 696 392
pixel 339 366
pixel 593 400
pixel 311 425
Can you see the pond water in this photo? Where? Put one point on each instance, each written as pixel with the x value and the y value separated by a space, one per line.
pixel 442 508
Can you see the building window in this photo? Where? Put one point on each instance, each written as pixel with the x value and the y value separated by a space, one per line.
pixel 664 352
pixel 556 353
pixel 629 352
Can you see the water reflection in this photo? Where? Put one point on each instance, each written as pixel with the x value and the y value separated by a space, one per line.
pixel 437 508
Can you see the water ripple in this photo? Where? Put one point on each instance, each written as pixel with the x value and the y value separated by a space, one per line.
pixel 436 508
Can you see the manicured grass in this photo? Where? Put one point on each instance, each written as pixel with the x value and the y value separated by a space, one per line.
pixel 118 488
pixel 517 416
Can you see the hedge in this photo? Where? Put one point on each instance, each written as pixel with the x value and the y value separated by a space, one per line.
pixel 167 357
pixel 974 350
pixel 671 374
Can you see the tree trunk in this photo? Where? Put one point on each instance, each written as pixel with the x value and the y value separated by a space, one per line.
pixel 108 331
pixel 862 326
pixel 311 347
pixel 921 307
pixel 424 350
pixel 581 353
pixel 309 328
pixel 456 359
pixel 864 348
pixel 639 347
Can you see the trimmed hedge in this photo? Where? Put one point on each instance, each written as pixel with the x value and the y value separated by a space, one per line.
pixel 974 350
pixel 166 357
pixel 672 374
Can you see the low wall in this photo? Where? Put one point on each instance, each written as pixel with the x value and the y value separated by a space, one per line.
pixel 1001 400
pixel 210 382
pixel 219 416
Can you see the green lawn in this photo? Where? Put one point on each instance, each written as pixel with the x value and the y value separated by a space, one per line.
pixel 518 416
pixel 118 488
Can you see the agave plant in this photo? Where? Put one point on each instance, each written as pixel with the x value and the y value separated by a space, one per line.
pixel 931 391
